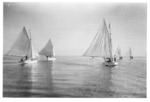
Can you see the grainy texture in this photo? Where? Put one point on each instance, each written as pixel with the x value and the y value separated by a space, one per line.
pixel 75 77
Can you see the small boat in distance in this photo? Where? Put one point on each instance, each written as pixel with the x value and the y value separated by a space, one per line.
pixel 130 53
pixel 101 46
pixel 48 51
pixel 23 48
pixel 118 54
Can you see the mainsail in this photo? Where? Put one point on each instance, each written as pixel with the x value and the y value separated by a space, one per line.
pixel 101 45
pixel 22 46
pixel 47 50
pixel 118 52
pixel 130 52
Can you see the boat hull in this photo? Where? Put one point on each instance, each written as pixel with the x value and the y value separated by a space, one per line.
pixel 28 61
pixel 110 64
pixel 51 59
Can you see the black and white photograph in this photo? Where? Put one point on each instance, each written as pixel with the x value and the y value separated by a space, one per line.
pixel 74 50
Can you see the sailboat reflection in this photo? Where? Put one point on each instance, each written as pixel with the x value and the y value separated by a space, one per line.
pixel 24 82
pixel 42 79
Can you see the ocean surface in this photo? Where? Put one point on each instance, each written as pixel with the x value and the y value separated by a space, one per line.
pixel 75 77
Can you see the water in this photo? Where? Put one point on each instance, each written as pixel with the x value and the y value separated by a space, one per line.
pixel 75 77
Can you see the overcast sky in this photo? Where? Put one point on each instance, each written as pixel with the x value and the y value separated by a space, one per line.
pixel 72 26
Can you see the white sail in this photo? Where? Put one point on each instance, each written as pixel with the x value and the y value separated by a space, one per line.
pixel 130 52
pixel 118 52
pixel 22 46
pixel 32 53
pixel 101 45
pixel 47 50
pixel 107 41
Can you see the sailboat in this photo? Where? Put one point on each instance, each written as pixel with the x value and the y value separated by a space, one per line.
pixel 101 45
pixel 48 51
pixel 118 54
pixel 23 48
pixel 130 53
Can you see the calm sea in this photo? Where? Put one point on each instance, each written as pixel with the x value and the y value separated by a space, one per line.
pixel 75 77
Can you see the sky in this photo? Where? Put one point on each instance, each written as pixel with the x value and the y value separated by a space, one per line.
pixel 72 26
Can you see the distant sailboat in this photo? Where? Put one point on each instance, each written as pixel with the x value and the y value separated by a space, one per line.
pixel 48 51
pixel 101 46
pixel 130 53
pixel 118 54
pixel 23 48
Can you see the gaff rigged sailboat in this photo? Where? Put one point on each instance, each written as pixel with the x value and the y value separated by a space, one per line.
pixel 118 54
pixel 130 53
pixel 48 51
pixel 101 46
pixel 23 48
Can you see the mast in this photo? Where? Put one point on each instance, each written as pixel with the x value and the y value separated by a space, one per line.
pixel 31 44
pixel 110 41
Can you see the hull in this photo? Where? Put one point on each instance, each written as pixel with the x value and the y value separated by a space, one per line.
pixel 120 58
pixel 131 57
pixel 51 59
pixel 28 61
pixel 110 64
